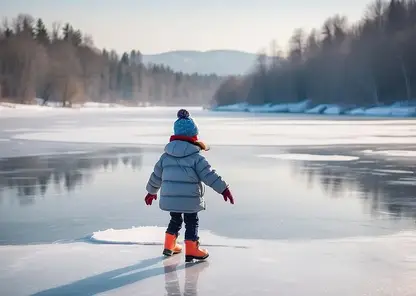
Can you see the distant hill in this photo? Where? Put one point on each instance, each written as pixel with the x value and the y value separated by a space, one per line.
pixel 220 62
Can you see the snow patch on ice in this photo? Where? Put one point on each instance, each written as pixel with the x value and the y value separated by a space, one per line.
pixel 20 130
pixel 394 171
pixel 153 235
pixel 56 153
pixel 310 157
pixel 396 153
pixel 403 182
pixel 4 140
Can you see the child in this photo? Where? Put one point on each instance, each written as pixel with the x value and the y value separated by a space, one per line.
pixel 179 174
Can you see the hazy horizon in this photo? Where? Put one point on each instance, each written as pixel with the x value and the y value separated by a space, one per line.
pixel 187 25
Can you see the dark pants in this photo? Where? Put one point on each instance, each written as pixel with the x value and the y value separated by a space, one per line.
pixel 191 225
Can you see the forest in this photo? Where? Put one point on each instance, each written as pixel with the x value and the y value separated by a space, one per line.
pixel 63 65
pixel 369 63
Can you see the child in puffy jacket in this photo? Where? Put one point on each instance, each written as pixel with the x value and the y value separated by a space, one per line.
pixel 179 175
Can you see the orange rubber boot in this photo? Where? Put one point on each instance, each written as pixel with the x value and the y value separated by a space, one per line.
pixel 171 247
pixel 194 252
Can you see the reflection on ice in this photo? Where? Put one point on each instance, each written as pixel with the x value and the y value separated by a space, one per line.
pixel 192 272
pixel 383 190
pixel 31 176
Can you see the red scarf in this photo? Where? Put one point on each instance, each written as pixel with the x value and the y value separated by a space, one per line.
pixel 193 140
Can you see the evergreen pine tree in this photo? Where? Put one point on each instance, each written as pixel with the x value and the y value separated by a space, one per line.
pixel 41 34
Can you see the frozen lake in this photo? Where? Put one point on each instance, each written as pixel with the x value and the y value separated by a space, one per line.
pixel 324 205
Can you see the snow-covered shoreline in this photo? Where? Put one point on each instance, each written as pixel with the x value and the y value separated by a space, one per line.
pixel 398 109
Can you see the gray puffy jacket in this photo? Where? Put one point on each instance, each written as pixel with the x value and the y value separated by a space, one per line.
pixel 179 174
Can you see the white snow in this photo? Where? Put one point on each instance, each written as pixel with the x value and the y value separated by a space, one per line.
pixel 311 157
pixel 4 140
pixel 395 153
pixel 350 266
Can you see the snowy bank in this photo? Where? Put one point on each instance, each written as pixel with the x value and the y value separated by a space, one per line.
pixel 398 109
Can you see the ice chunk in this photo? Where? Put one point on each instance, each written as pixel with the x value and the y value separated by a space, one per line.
pixel 299 107
pixel 356 111
pixel 259 108
pixel 239 107
pixel 391 111
pixel 334 110
pixel 403 111
pixel 279 108
pixel 268 108
pixel 317 109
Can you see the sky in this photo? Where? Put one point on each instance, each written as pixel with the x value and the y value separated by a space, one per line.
pixel 154 26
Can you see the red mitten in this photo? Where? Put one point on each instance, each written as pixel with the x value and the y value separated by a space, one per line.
pixel 228 196
pixel 149 198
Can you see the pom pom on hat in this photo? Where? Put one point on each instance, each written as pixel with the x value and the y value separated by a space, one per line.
pixel 183 114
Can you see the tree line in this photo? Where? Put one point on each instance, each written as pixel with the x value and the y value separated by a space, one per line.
pixel 371 62
pixel 62 64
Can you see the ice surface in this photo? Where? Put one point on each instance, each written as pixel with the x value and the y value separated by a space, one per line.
pixel 274 132
pixel 311 157
pixel 351 266
pixel 128 262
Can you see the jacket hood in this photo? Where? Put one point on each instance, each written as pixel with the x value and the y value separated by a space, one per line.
pixel 181 148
